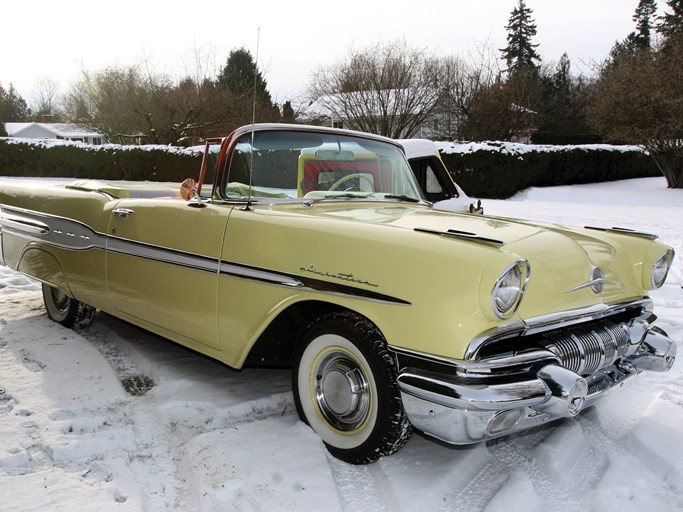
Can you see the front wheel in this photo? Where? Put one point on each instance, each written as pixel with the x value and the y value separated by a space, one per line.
pixel 67 311
pixel 345 388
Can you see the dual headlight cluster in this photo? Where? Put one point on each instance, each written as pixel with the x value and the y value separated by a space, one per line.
pixel 509 289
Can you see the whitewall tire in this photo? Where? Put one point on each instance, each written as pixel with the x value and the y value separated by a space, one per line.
pixel 345 388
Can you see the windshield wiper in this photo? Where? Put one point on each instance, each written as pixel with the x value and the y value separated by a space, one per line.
pixel 403 197
pixel 342 195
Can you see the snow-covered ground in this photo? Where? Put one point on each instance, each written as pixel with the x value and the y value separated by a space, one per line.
pixel 207 438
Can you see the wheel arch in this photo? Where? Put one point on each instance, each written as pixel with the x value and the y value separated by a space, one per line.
pixel 44 267
pixel 277 344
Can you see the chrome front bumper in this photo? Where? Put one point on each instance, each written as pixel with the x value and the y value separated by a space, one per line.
pixel 462 409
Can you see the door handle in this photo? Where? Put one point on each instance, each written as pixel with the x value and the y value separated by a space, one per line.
pixel 123 212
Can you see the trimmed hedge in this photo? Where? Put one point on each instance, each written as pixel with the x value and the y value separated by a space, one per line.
pixel 65 159
pixel 495 170
pixel 498 170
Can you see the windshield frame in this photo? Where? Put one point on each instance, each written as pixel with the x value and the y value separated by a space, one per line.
pixel 252 192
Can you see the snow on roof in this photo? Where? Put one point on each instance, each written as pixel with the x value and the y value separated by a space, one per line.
pixel 58 129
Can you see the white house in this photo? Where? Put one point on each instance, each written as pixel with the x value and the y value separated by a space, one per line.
pixel 64 131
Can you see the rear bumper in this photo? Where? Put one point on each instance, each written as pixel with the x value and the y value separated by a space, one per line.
pixel 462 409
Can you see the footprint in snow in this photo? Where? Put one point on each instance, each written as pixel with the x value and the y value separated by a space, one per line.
pixel 30 362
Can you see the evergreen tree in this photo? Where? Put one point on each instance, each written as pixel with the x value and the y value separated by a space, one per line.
pixel 240 75
pixel 520 53
pixel 626 48
pixel 13 108
pixel 288 115
pixel 644 18
pixel 561 119
pixel 671 23
pixel 641 38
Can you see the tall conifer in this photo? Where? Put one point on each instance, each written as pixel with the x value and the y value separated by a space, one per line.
pixel 671 23
pixel 644 18
pixel 520 52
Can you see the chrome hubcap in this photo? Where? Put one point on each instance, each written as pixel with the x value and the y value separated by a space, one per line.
pixel 60 299
pixel 342 391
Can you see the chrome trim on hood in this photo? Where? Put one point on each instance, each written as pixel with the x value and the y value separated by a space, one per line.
pixel 464 235
pixel 625 231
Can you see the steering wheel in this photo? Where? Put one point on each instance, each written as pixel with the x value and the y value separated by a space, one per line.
pixel 358 175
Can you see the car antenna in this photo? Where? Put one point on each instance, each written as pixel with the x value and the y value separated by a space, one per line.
pixel 248 206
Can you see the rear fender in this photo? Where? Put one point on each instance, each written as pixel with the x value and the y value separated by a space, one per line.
pixel 43 266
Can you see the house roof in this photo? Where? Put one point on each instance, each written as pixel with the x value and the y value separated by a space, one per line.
pixel 65 130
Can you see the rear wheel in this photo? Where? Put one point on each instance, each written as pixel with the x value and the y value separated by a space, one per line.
pixel 67 311
pixel 345 388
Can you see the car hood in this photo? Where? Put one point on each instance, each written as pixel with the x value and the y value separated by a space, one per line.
pixel 561 258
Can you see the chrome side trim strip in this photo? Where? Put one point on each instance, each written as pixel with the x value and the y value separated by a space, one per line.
pixel 297 281
pixel 74 235
pixel 162 254
pixel 20 224
pixel 258 274
pixel 51 229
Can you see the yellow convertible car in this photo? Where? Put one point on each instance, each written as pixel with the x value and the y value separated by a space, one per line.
pixel 314 248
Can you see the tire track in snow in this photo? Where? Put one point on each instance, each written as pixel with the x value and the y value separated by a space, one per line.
pixel 499 468
pixel 363 488
pixel 164 489
pixel 166 420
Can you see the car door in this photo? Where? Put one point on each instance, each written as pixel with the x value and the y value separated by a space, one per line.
pixel 162 266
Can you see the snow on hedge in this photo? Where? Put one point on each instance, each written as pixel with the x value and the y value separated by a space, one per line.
pixel 52 143
pixel 510 148
pixel 515 149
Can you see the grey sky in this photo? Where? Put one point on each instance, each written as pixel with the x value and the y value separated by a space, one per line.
pixel 44 38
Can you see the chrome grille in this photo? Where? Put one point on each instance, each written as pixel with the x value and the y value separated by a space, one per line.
pixel 585 349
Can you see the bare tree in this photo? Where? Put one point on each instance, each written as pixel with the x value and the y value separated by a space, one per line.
pixel 46 98
pixel 389 89
pixel 639 99
pixel 462 81
pixel 135 103
pixel 503 109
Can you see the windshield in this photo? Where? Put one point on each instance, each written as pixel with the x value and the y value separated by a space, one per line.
pixel 316 165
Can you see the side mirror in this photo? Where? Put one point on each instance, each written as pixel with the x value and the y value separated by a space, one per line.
pixel 188 189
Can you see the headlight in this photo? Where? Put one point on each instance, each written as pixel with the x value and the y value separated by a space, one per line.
pixel 508 291
pixel 661 269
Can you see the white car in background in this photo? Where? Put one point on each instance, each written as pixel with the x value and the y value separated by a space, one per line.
pixel 434 179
